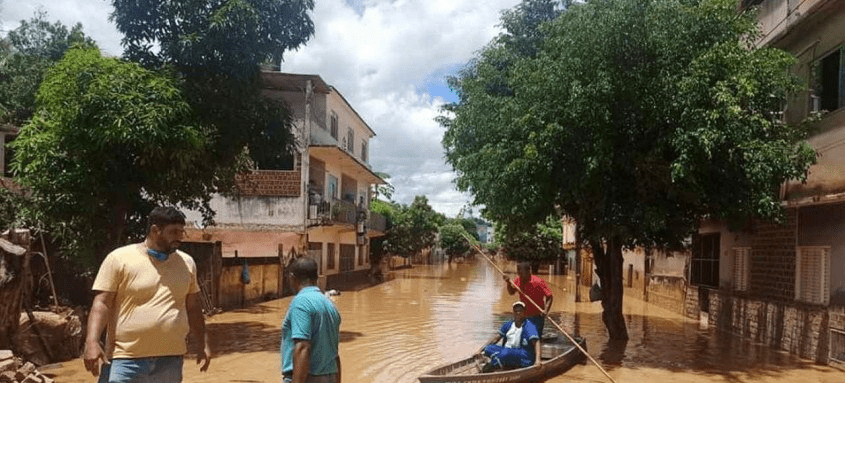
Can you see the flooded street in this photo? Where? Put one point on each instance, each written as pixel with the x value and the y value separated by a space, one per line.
pixel 431 315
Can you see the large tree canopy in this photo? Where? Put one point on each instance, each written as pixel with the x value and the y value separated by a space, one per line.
pixel 637 117
pixel 109 141
pixel 25 55
pixel 218 47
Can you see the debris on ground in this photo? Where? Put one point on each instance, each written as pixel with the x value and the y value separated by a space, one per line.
pixel 15 370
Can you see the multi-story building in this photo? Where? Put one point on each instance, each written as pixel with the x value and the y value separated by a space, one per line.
pixel 320 204
pixel 784 285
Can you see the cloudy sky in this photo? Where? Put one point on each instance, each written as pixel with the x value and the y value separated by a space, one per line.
pixel 387 57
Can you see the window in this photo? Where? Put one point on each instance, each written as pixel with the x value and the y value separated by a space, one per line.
pixel 829 82
pixel 315 251
pixel 812 274
pixel 742 266
pixel 330 256
pixel 704 266
pixel 350 140
pixel 332 186
pixel 347 257
pixel 333 126
pixel 360 255
pixel 364 152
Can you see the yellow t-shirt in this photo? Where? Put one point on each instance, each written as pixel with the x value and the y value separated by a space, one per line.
pixel 148 317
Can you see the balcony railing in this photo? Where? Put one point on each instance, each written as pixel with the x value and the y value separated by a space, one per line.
pixel 332 211
pixel 335 211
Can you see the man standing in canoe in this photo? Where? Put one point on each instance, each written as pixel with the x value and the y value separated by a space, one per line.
pixel 531 287
pixel 521 343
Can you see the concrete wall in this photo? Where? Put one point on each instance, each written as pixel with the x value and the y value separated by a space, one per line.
pixel 334 234
pixel 779 18
pixel 798 329
pixel 264 282
pixel 810 30
pixel 348 118
pixel 253 212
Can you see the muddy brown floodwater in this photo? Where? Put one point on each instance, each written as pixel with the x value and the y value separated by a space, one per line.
pixel 431 315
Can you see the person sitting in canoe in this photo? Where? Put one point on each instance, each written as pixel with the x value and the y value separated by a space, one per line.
pixel 521 344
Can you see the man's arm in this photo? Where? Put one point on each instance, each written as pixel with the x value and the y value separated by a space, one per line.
pixel 338 368
pixel 511 288
pixel 97 320
pixel 196 323
pixel 302 360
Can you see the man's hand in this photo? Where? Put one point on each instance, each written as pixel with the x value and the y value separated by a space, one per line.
pixel 204 355
pixel 93 356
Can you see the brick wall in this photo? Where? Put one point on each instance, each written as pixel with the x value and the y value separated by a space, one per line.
pixel 773 259
pixel 269 183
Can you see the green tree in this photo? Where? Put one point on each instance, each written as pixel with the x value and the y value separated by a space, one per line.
pixel 469 225
pixel 109 140
pixel 542 243
pixel 378 244
pixel 455 240
pixel 637 118
pixel 413 228
pixel 218 47
pixel 387 190
pixel 25 55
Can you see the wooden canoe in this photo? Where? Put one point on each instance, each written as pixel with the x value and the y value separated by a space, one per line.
pixel 557 356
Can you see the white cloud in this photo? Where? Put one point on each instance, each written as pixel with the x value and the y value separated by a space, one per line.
pixel 93 14
pixel 380 60
pixel 379 54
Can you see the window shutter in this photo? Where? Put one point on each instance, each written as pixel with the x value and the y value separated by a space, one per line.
pixel 741 268
pixel 813 275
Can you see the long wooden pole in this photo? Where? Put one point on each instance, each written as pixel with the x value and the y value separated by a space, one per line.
pixel 49 272
pixel 543 310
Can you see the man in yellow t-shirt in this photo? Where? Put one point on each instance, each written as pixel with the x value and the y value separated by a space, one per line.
pixel 146 295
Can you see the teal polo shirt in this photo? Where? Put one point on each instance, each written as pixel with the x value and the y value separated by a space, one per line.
pixel 313 317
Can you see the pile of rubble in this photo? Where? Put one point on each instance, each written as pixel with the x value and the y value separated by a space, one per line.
pixel 16 370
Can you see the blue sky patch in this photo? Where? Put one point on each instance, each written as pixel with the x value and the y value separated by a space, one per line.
pixel 435 83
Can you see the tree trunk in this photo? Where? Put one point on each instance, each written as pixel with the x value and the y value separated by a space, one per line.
pixel 577 266
pixel 609 264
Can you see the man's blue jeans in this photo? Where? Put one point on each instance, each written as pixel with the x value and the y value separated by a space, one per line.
pixel 159 369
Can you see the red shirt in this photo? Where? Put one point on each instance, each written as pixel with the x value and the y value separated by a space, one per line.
pixel 535 288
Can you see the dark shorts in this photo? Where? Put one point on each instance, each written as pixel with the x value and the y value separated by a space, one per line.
pixel 326 378
pixel 539 322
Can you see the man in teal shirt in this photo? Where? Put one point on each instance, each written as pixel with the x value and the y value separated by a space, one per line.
pixel 311 330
